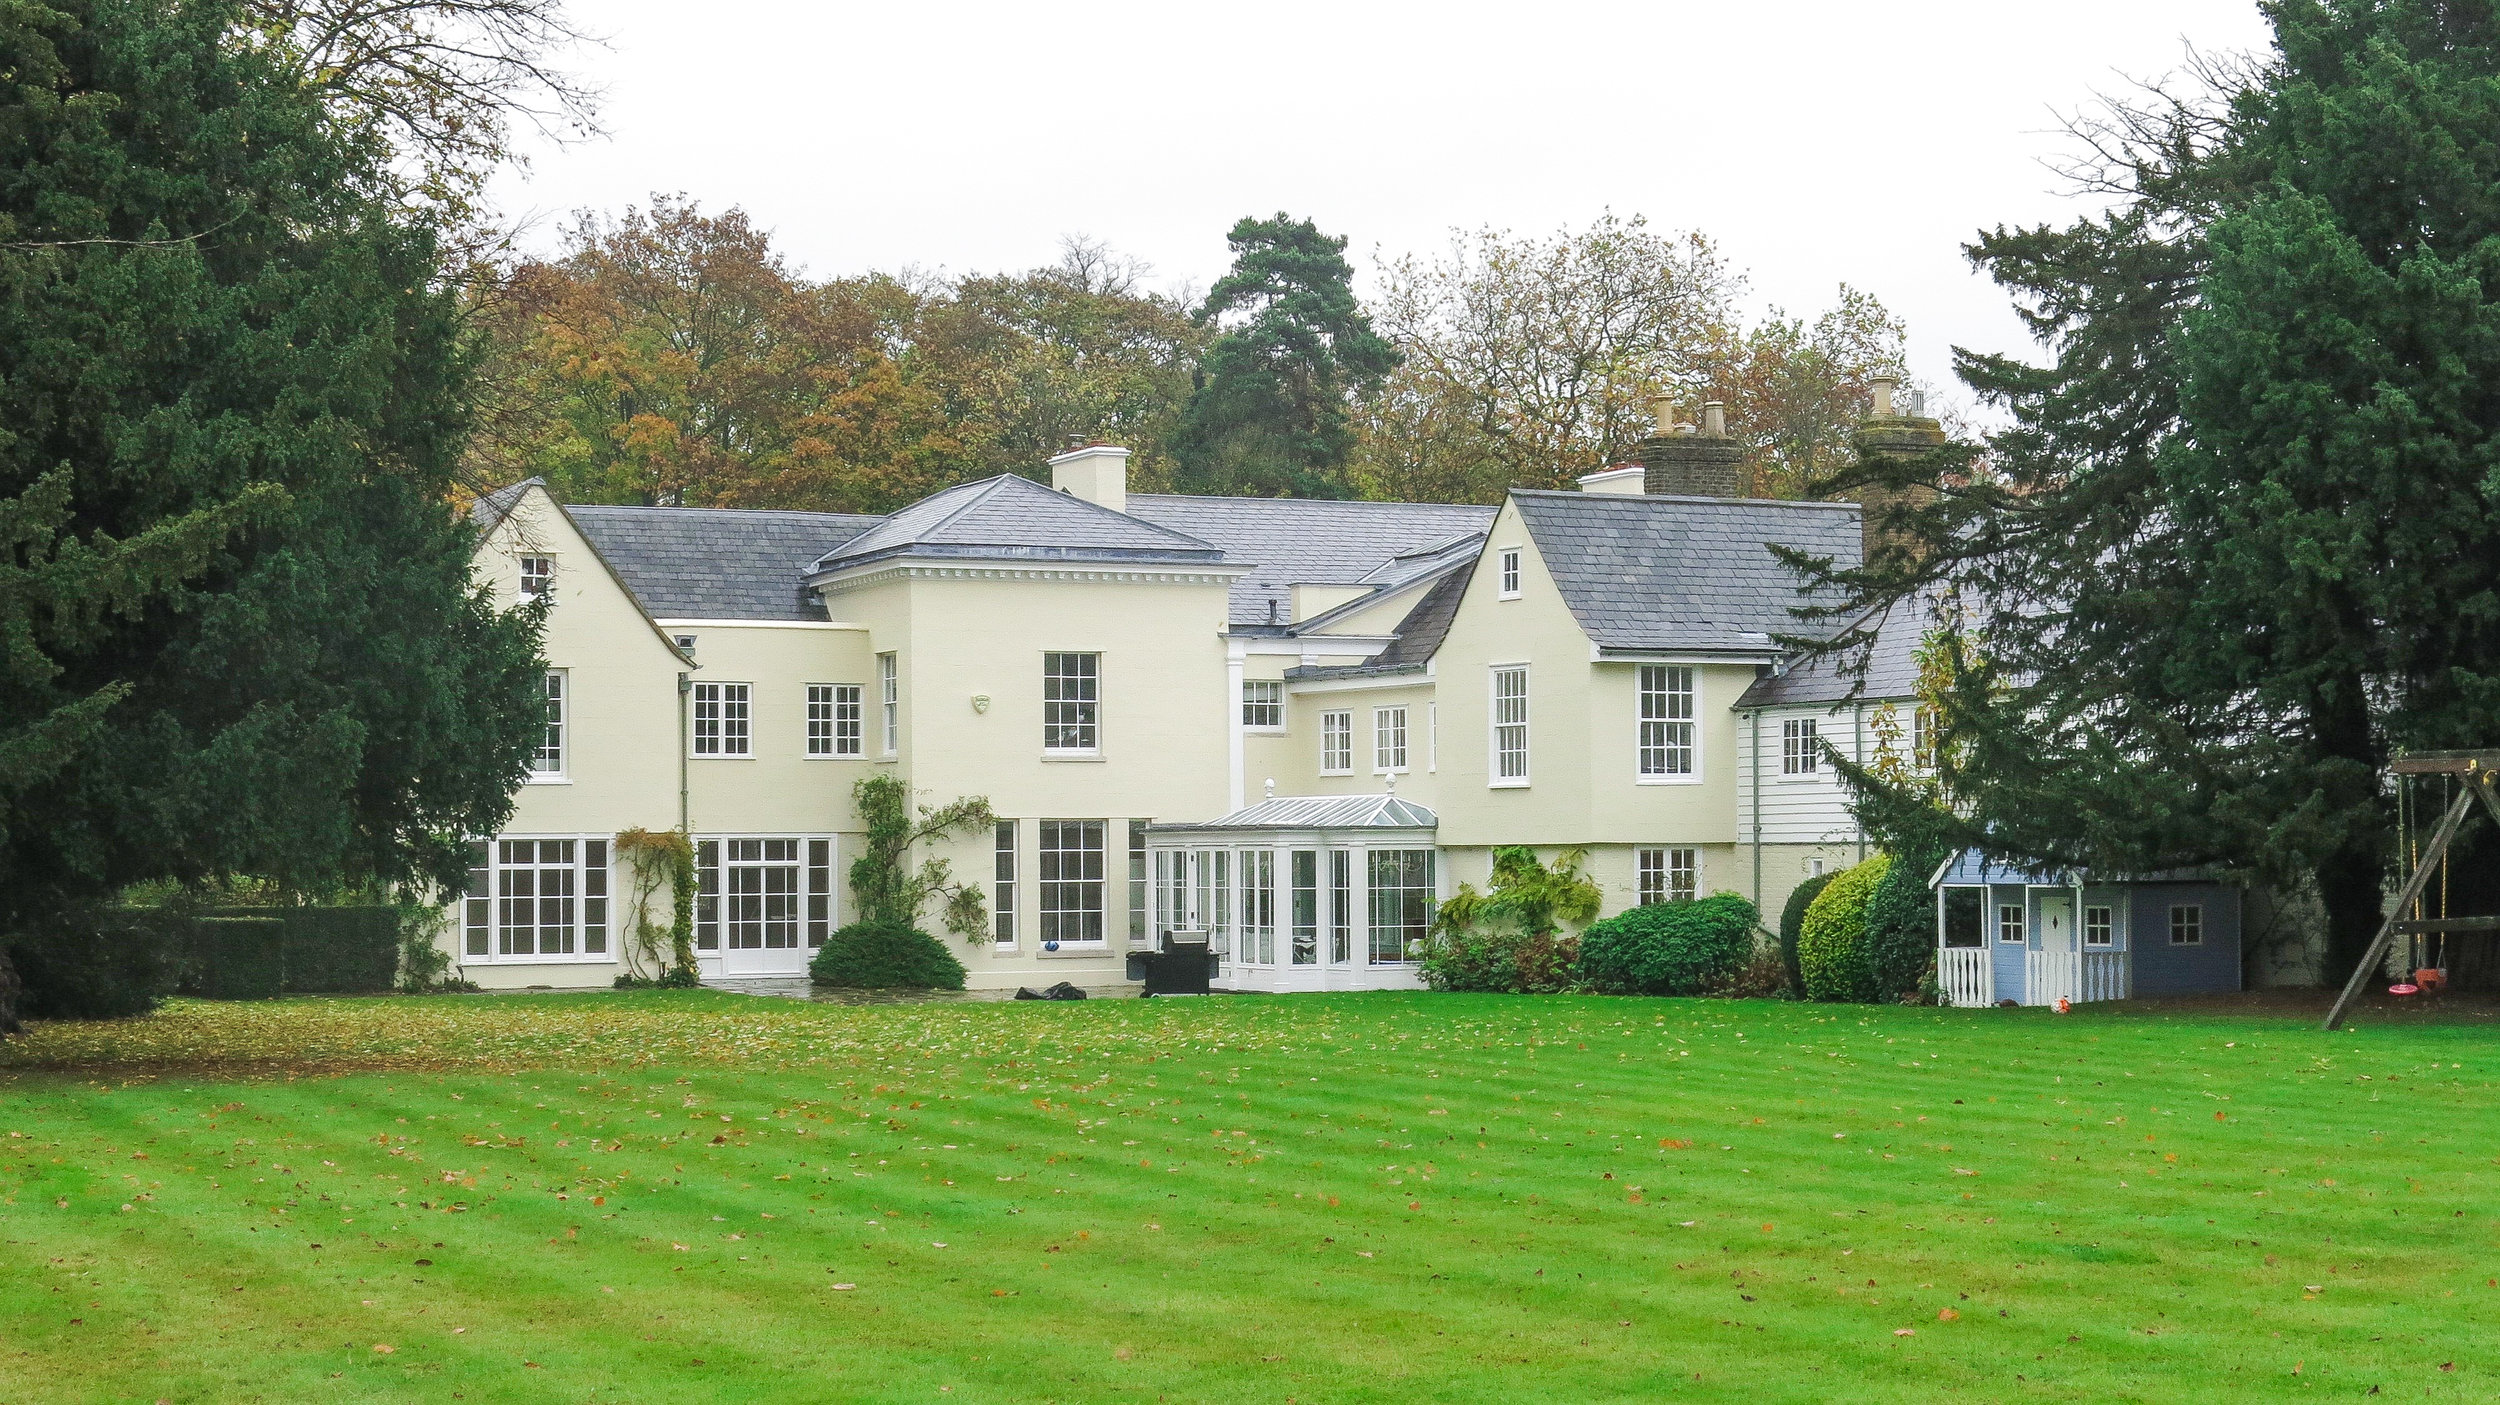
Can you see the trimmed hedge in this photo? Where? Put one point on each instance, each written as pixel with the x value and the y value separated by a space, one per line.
pixel 1682 948
pixel 108 965
pixel 1832 958
pixel 1793 921
pixel 885 956
pixel 339 950
pixel 234 957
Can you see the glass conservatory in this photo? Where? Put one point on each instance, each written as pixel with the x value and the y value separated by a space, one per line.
pixel 1319 892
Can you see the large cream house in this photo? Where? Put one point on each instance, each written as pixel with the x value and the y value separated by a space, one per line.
pixel 1292 724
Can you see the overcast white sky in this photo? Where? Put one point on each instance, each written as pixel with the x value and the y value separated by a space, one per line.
pixel 1818 143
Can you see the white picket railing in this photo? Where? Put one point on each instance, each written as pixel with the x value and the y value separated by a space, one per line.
pixel 2104 976
pixel 1967 976
pixel 2076 975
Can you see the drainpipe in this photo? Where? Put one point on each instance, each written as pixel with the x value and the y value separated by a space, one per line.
pixel 685 689
pixel 1857 753
pixel 1233 651
pixel 1753 744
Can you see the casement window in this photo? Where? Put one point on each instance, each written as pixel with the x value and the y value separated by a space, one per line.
pixel 833 719
pixel 1510 726
pixel 1305 877
pixel 1003 885
pixel 1402 904
pixel 890 704
pixel 1801 747
pixel 1071 881
pixel 536 900
pixel 1263 704
pixel 1336 743
pixel 1256 937
pixel 538 578
pixel 549 761
pixel 1667 875
pixel 1510 573
pixel 1137 933
pixel 1388 739
pixel 2187 924
pixel 1340 906
pixel 1923 738
pixel 722 719
pixel 2011 928
pixel 1666 723
pixel 762 894
pixel 2099 928
pixel 1071 703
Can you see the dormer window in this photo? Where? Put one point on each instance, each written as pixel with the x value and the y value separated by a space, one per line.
pixel 538 578
pixel 1510 573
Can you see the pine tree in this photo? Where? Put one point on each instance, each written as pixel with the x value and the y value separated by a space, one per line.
pixel 2241 542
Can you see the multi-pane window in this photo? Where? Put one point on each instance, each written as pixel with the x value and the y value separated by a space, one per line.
pixel 1666 739
pixel 1137 932
pixel 1510 726
pixel 1263 703
pixel 536 898
pixel 1801 747
pixel 722 719
pixel 1340 905
pixel 538 578
pixel 1923 738
pixel 890 704
pixel 1256 937
pixel 2010 925
pixel 1336 743
pixel 833 719
pixel 762 894
pixel 2098 928
pixel 549 761
pixel 1003 884
pixel 1305 907
pixel 1071 880
pixel 1388 739
pixel 1071 699
pixel 819 891
pixel 2187 924
pixel 1402 904
pixel 1667 875
pixel 1510 573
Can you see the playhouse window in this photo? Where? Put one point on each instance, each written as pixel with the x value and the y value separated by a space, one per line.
pixel 2187 924
pixel 2099 928
pixel 2010 927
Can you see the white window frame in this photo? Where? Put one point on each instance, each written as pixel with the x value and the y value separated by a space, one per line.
pixel 1801 749
pixel 1389 750
pixel 1432 737
pixel 550 764
pixel 1510 573
pixel 1065 917
pixel 1003 838
pixel 1267 697
pixel 1666 874
pixel 719 909
pixel 836 722
pixel 1498 773
pixel 584 915
pixel 2103 918
pixel 890 704
pixel 1336 742
pixel 2013 924
pixel 1071 724
pixel 732 723
pixel 538 579
pixel 2187 924
pixel 1663 736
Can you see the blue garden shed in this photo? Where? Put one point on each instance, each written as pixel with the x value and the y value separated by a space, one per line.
pixel 2036 936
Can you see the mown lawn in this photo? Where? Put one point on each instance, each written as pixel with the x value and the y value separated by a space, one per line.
pixel 693 1196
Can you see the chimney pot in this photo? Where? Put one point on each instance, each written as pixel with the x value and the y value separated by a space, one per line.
pixel 1883 387
pixel 1714 418
pixel 1662 413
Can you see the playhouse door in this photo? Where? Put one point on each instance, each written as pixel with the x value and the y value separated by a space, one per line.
pixel 2057 962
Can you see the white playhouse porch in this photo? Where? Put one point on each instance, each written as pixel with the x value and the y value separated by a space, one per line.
pixel 1319 892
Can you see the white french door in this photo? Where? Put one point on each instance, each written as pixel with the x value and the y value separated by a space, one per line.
pixel 763 904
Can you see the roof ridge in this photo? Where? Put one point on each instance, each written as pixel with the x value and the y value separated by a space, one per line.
pixel 1314 502
pixel 1704 499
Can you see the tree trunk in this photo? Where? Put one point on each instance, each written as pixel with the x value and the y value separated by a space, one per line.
pixel 2350 885
pixel 8 996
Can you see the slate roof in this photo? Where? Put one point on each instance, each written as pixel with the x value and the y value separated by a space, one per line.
pixel 1309 541
pixel 1653 572
pixel 702 563
pixel 1891 664
pixel 492 508
pixel 1017 518
pixel 1419 635
pixel 1318 812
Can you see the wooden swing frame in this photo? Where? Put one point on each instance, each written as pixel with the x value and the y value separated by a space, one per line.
pixel 2479 775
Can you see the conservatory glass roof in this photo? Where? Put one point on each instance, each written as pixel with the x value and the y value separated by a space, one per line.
pixel 1318 812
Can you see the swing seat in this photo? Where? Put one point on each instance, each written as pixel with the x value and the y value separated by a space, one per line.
pixel 2430 978
pixel 2404 988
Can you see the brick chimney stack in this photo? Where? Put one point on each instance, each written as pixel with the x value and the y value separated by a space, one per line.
pixel 1678 460
pixel 1888 434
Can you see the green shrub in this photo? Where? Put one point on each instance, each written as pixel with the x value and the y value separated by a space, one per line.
pixel 338 950
pixel 1831 942
pixel 235 958
pixel 1901 928
pixel 1505 961
pixel 1793 920
pixel 1669 948
pixel 885 956
pixel 103 965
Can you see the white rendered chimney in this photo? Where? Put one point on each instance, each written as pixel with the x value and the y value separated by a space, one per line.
pixel 1628 479
pixel 1097 473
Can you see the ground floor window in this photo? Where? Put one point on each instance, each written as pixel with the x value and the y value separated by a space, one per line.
pixel 1668 875
pixel 1071 880
pixel 762 894
pixel 1003 885
pixel 2010 923
pixel 1965 912
pixel 535 900
pixel 2099 928
pixel 1137 933
pixel 2187 924
pixel 1402 904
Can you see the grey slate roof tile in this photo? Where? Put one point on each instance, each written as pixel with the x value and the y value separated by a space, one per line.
pixel 1419 635
pixel 1651 572
pixel 1308 541
pixel 491 509
pixel 1017 517
pixel 1891 663
pixel 717 563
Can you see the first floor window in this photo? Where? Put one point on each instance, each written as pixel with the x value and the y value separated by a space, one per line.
pixel 833 719
pixel 1003 885
pixel 890 703
pixel 2098 928
pixel 1137 882
pixel 1510 726
pixel 1666 734
pixel 1336 743
pixel 1388 739
pixel 1071 877
pixel 550 758
pixel 538 578
pixel 722 719
pixel 1923 738
pixel 536 898
pixel 1402 904
pixel 1071 697
pixel 1263 703
pixel 2010 925
pixel 1801 750
pixel 1668 875
pixel 2187 924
